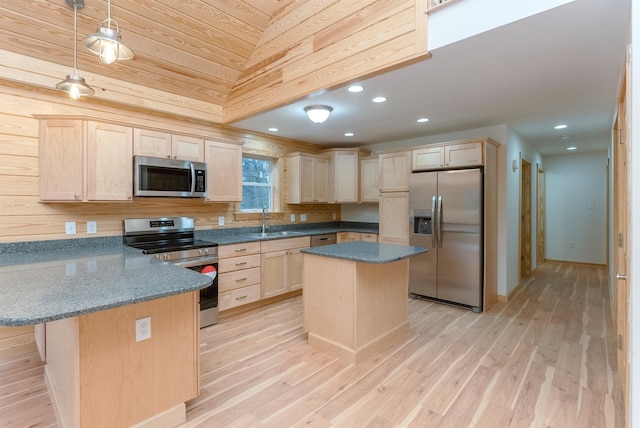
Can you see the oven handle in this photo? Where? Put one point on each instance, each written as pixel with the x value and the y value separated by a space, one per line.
pixel 197 262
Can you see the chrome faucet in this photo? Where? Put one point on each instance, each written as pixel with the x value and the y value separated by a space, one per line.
pixel 265 216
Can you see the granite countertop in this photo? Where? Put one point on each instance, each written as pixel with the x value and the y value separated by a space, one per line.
pixel 45 286
pixel 366 252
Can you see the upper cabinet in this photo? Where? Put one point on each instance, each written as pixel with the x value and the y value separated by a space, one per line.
pixel 159 144
pixel 109 146
pixel 224 171
pixel 394 171
pixel 307 178
pixel 369 179
pixel 85 161
pixel 343 174
pixel 453 155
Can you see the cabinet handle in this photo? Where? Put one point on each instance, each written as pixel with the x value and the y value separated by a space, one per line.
pixel 241 279
pixel 621 276
pixel 76 196
pixel 241 297
pixel 239 250
pixel 241 263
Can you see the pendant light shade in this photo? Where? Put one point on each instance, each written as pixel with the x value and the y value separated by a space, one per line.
pixel 73 84
pixel 107 42
pixel 318 113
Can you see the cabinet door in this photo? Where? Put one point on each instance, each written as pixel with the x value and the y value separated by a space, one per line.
pixel 224 171
pixel 187 148
pixel 307 179
pixel 428 158
pixel 394 171
pixel 369 180
pixel 394 218
pixel 344 180
pixel 61 156
pixel 109 162
pixel 321 180
pixel 348 237
pixel 273 273
pixel 466 154
pixel 155 144
pixel 294 270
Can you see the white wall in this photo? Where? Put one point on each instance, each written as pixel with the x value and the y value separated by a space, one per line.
pixel 574 181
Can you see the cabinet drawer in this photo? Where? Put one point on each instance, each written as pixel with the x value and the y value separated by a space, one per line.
pixel 236 250
pixel 285 244
pixel 235 263
pixel 370 237
pixel 241 296
pixel 239 278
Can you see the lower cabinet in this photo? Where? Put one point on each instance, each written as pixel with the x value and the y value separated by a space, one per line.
pixel 357 236
pixel 394 218
pixel 281 265
pixel 239 274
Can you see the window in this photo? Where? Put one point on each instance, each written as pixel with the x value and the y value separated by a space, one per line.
pixel 257 183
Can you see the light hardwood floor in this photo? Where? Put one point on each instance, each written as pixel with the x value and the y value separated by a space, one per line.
pixel 545 359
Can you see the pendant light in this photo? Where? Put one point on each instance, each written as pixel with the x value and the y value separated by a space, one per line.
pixel 318 113
pixel 106 42
pixel 75 85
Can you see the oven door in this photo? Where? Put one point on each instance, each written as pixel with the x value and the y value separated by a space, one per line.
pixel 209 295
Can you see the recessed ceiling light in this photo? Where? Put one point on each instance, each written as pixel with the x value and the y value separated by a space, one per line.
pixel 379 99
pixel 423 120
pixel 349 134
pixel 273 129
pixel 571 148
pixel 561 126
pixel 355 88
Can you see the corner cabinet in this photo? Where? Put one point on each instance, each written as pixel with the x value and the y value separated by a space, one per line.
pixel 224 171
pixel 84 160
pixel 307 178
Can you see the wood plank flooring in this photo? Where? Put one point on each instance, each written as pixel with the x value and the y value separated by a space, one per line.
pixel 545 359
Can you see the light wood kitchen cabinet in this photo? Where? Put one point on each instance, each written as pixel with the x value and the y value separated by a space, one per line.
pixel 348 237
pixel 61 160
pixel 369 237
pixel 307 178
pixel 85 161
pixel 395 168
pixel 239 275
pixel 224 171
pixel 394 218
pixel 109 151
pixel 369 180
pixel 159 144
pixel 343 175
pixel 448 156
pixel 281 265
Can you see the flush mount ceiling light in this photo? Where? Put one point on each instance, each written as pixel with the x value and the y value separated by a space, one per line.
pixel 75 85
pixel 318 113
pixel 107 42
pixel 561 126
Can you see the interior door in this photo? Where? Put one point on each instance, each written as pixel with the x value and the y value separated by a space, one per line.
pixel 525 220
pixel 621 238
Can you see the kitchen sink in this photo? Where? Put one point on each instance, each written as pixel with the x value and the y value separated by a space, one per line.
pixel 275 234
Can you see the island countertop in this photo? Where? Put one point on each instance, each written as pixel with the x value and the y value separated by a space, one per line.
pixel 44 286
pixel 366 252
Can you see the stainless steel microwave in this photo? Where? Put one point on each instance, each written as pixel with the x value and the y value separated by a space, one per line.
pixel 169 177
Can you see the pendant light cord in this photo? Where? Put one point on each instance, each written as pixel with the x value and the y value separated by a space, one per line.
pixel 75 32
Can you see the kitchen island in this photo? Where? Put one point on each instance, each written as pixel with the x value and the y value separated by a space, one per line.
pixel 355 299
pixel 89 300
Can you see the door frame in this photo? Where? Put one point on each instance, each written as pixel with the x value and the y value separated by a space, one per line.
pixel 524 269
pixel 540 215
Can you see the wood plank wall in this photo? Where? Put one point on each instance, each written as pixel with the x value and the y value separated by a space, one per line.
pixel 24 218
pixel 314 45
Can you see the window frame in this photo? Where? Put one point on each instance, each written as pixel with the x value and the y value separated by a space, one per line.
pixel 271 184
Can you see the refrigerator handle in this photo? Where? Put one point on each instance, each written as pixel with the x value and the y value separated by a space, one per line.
pixel 440 234
pixel 434 229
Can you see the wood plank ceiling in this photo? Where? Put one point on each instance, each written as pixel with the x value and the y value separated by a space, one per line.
pixel 198 57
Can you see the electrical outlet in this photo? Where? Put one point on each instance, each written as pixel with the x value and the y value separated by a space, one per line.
pixel 70 227
pixel 92 227
pixel 143 329
pixel 293 218
pixel 334 216
pixel 303 217
pixel 572 244
pixel 220 220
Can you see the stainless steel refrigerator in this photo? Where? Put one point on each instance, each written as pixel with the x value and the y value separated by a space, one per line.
pixel 446 217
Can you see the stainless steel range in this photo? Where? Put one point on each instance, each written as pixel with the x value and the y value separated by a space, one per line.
pixel 171 239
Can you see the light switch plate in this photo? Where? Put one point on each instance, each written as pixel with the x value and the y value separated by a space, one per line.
pixel 143 329
pixel 92 227
pixel 70 227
